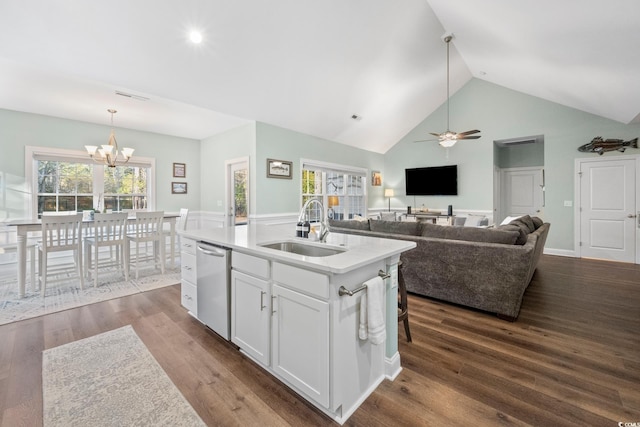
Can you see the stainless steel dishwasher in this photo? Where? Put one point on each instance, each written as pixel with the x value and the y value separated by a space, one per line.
pixel 213 265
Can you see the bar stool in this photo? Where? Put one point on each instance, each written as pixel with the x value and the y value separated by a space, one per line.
pixel 403 306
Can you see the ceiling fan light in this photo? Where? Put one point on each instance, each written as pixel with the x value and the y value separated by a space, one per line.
pixel 446 143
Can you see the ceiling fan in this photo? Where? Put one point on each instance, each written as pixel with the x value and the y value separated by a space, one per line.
pixel 449 138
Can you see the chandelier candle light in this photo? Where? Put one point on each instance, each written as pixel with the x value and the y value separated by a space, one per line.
pixel 108 154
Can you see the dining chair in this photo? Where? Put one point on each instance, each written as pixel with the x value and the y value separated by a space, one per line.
pixel 107 229
pixel 181 225
pixel 60 233
pixel 144 228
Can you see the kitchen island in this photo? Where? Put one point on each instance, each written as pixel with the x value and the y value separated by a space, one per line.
pixel 287 313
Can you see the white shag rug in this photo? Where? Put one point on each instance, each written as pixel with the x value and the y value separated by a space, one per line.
pixel 110 379
pixel 64 292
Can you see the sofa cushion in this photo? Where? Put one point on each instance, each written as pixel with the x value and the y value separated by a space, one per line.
pixel 526 220
pixel 537 222
pixel 353 224
pixel 395 227
pixel 486 235
pixel 434 230
pixel 521 228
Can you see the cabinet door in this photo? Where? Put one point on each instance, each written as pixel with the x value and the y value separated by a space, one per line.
pixel 300 342
pixel 250 315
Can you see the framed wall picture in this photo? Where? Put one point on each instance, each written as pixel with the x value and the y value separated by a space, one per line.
pixel 179 170
pixel 279 169
pixel 178 188
pixel 376 179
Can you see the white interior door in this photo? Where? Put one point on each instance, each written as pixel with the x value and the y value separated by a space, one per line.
pixel 522 192
pixel 237 210
pixel 607 214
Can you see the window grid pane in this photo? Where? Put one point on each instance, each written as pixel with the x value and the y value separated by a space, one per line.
pixel 69 186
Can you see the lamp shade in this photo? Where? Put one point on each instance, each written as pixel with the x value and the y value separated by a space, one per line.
pixel 333 201
pixel 388 192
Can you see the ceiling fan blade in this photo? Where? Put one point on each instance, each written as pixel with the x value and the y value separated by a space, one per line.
pixel 435 134
pixel 469 137
pixel 469 132
pixel 426 140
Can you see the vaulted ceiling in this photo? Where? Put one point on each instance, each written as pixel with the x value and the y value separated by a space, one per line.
pixel 310 65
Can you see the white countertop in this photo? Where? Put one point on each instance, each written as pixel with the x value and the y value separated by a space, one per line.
pixel 361 250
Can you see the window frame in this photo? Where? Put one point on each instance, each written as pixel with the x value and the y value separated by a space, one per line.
pixel 33 154
pixel 324 167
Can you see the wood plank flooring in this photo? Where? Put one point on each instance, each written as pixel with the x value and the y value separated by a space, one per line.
pixel 571 358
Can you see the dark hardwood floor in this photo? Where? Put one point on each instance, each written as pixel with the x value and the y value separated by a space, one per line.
pixel 571 358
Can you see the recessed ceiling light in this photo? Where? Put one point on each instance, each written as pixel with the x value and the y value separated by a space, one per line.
pixel 195 37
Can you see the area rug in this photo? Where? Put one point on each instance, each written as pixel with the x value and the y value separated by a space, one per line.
pixel 65 292
pixel 110 379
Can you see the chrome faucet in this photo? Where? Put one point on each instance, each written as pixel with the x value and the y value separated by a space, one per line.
pixel 324 226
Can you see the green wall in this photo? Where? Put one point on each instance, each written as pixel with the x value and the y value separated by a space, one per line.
pixel 214 152
pixel 520 156
pixel 275 196
pixel 501 113
pixel 19 129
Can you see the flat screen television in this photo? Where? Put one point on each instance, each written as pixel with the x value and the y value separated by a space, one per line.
pixel 432 181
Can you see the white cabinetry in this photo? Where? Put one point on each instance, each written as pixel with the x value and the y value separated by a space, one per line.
pixel 250 315
pixel 300 342
pixel 278 319
pixel 189 291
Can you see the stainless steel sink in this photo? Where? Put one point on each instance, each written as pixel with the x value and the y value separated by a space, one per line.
pixel 303 248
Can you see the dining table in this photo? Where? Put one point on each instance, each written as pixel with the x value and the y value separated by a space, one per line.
pixel 26 226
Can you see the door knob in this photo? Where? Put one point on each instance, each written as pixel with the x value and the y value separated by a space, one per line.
pixel 631 216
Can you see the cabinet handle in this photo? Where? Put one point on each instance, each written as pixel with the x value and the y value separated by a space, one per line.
pixel 262 306
pixel 187 297
pixel 273 311
pixel 186 267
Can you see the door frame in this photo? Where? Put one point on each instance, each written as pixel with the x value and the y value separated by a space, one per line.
pixel 498 190
pixel 577 225
pixel 228 194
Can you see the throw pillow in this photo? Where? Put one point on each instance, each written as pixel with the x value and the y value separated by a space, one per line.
pixel 522 229
pixel 508 219
pixel 388 216
pixel 474 220
pixel 537 222
pixel 395 227
pixel 526 220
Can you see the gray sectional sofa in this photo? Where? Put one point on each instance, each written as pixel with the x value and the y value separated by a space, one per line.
pixel 484 268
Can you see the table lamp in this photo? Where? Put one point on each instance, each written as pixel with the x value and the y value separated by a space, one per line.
pixel 389 193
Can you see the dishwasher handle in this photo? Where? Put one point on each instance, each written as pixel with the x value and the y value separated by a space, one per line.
pixel 213 251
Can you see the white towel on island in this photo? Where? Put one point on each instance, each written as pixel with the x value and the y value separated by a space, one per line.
pixel 372 325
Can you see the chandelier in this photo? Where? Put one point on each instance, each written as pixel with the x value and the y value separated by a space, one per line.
pixel 108 154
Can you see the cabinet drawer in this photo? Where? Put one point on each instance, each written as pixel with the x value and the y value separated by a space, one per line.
pixel 187 246
pixel 255 266
pixel 189 297
pixel 309 282
pixel 188 267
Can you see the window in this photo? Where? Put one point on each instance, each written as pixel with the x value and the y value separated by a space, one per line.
pixel 342 190
pixel 68 181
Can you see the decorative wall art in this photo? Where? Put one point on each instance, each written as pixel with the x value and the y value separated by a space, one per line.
pixel 279 169
pixel 179 170
pixel 376 179
pixel 178 188
pixel 601 146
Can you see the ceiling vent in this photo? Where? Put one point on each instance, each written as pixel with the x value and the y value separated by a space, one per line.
pixel 130 95
pixel 509 142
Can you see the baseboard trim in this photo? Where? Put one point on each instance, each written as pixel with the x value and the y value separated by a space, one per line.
pixel 560 252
